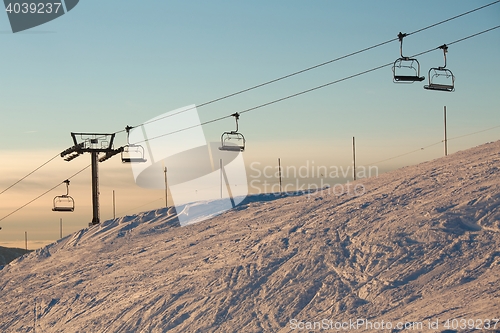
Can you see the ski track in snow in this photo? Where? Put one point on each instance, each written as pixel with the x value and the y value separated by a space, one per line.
pixel 422 243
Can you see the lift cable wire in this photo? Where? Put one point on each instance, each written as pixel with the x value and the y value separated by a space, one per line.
pixel 29 174
pixel 311 89
pixel 285 77
pixel 452 18
pixel 44 193
pixel 408 153
pixel 469 134
pixel 436 143
pixel 184 129
pixel 317 66
pixel 460 40
pixel 378 162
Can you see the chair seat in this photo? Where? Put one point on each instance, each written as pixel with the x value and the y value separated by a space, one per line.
pixel 133 160
pixel 440 87
pixel 63 209
pixel 408 78
pixel 231 148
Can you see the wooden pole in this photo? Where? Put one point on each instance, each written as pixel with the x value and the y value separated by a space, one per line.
pixel 220 165
pixel 60 228
pixel 445 135
pixel 279 170
pixel 166 187
pixel 114 205
pixel 353 158
pixel 26 240
pixel 34 317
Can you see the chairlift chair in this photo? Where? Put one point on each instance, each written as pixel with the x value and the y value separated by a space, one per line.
pixel 405 69
pixel 441 78
pixel 64 203
pixel 132 153
pixel 233 141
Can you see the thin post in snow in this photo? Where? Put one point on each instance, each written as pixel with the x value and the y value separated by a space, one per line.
pixel 34 317
pixel 166 187
pixel 114 205
pixel 220 165
pixel 353 158
pixel 445 134
pixel 279 171
pixel 26 240
pixel 60 227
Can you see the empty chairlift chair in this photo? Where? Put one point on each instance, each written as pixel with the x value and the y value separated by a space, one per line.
pixel 64 203
pixel 441 78
pixel 132 153
pixel 406 69
pixel 233 141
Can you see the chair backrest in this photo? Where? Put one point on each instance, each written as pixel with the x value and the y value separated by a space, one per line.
pixel 435 82
pixel 63 203
pixel 228 141
pixel 404 71
pixel 133 154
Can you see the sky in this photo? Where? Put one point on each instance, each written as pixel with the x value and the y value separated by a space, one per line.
pixel 108 64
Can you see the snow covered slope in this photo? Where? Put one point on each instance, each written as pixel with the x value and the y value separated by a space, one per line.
pixel 7 254
pixel 421 246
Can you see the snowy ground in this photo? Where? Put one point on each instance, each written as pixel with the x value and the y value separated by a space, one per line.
pixel 421 246
pixel 8 254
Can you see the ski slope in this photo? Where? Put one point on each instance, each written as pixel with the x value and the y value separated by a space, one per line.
pixel 422 245
pixel 8 254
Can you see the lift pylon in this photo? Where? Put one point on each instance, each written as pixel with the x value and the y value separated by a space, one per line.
pixel 93 143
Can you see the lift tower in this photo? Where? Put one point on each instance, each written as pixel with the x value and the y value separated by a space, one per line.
pixel 93 143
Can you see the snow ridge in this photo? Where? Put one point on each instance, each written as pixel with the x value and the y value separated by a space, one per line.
pixel 421 245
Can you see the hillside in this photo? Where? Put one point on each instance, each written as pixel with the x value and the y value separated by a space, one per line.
pixel 421 245
pixel 7 254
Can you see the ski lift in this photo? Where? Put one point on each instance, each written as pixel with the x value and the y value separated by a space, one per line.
pixel 405 69
pixel 132 153
pixel 233 141
pixel 441 78
pixel 64 203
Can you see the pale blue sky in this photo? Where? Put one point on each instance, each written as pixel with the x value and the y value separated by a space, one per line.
pixel 108 64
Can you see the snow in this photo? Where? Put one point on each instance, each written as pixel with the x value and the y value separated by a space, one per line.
pixel 421 245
